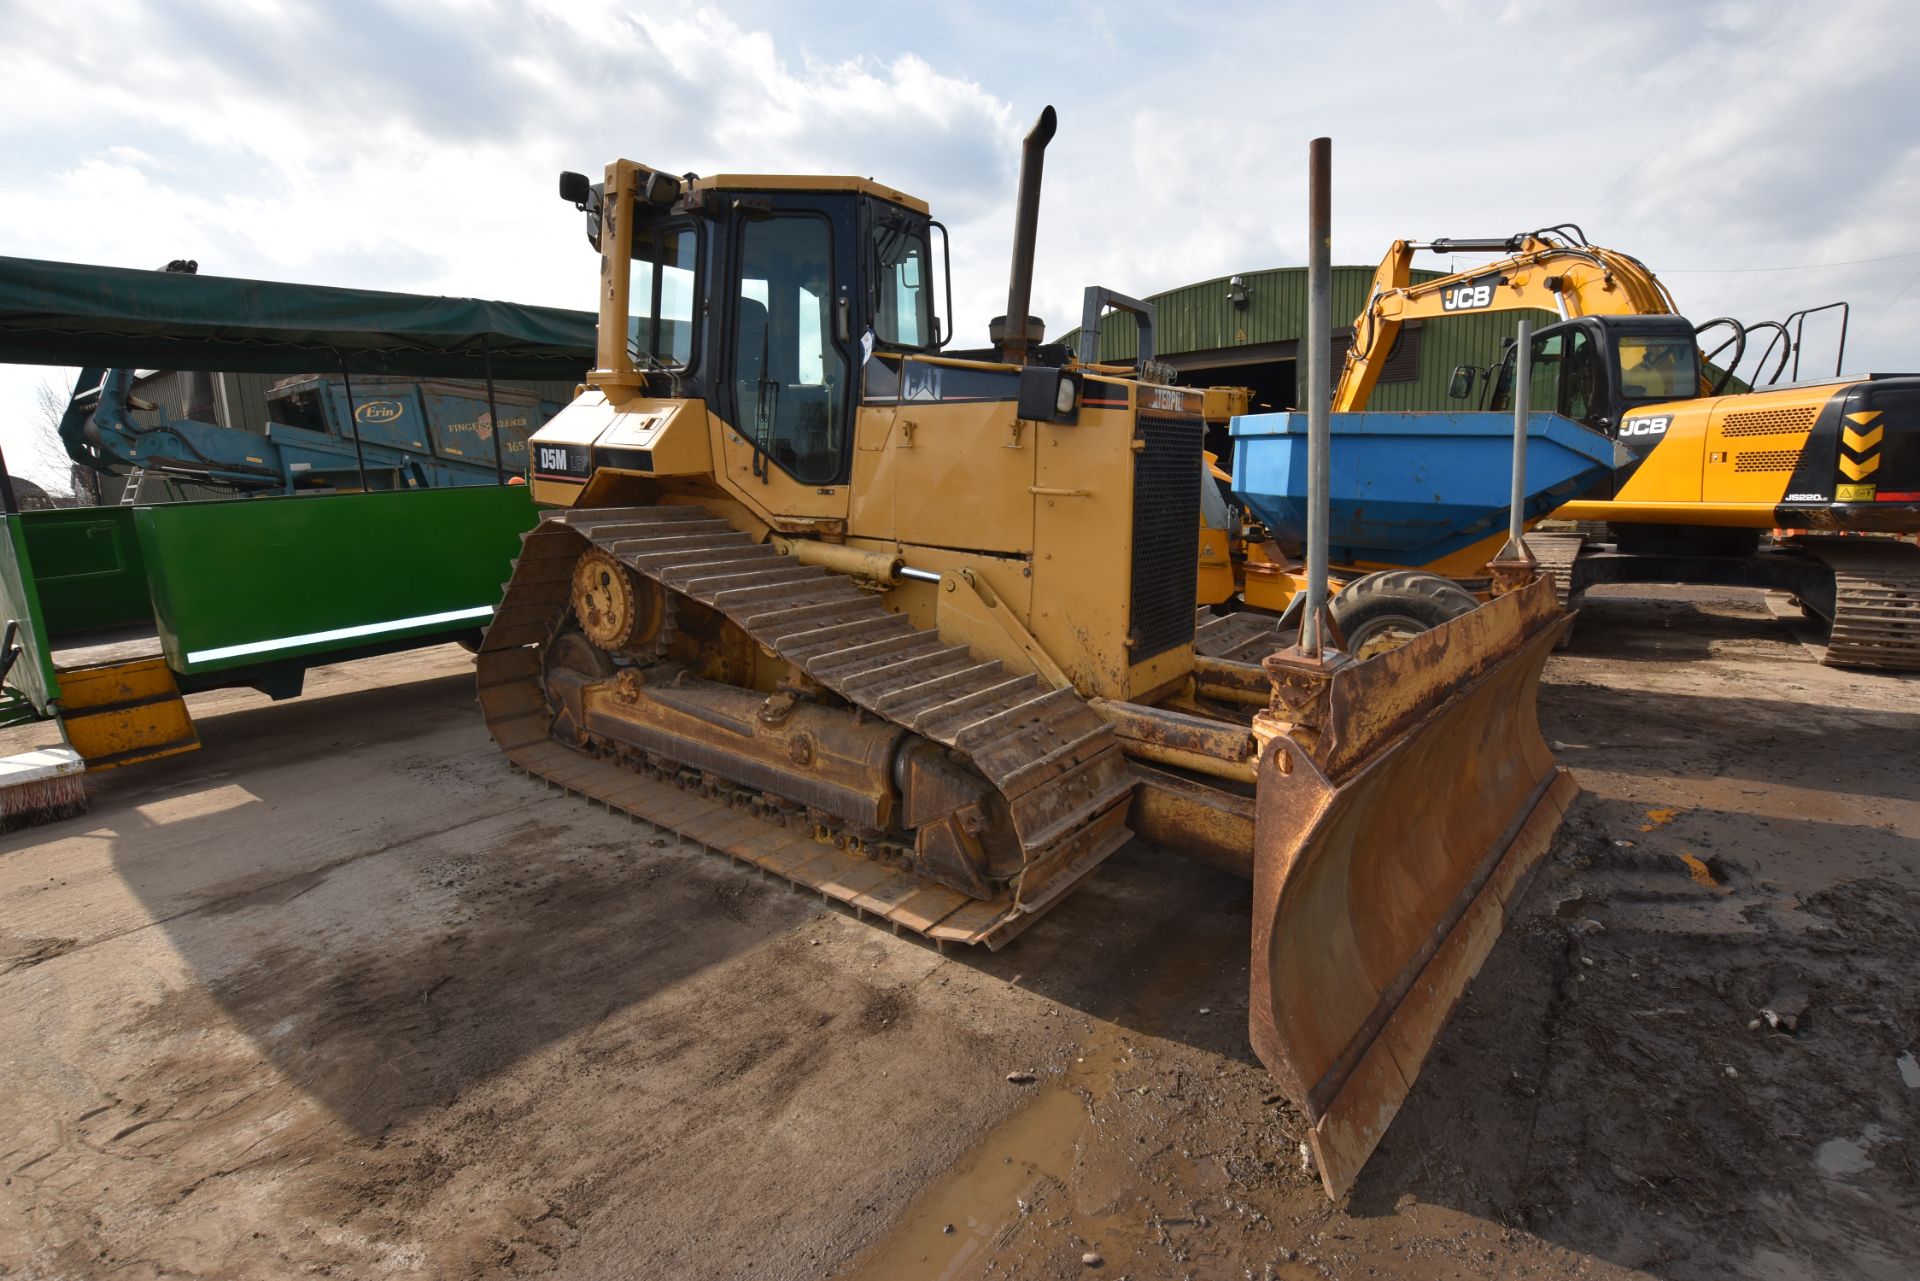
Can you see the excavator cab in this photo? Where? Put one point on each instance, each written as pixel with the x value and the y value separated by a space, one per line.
pixel 1596 370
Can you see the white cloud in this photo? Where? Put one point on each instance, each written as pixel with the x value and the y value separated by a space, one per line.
pixel 1692 135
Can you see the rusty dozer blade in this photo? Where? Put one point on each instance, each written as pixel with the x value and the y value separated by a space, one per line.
pixel 1400 809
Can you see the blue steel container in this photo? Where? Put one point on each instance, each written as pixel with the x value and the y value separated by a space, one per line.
pixel 1410 488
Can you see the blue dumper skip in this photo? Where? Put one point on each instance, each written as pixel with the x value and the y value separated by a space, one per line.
pixel 1410 488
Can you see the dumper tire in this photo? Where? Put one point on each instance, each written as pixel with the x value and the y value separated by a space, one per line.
pixel 1372 608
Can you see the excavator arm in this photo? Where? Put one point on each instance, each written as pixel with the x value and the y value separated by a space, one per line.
pixel 1547 269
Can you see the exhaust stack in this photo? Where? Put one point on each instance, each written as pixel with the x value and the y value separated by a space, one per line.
pixel 1026 229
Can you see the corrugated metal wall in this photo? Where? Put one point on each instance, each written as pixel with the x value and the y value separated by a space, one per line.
pixel 1448 341
pixel 1200 317
pixel 243 399
pixel 167 390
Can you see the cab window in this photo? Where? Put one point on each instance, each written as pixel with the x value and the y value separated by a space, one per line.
pixel 1564 376
pixel 660 330
pixel 1658 367
pixel 1580 378
pixel 790 379
pixel 1544 372
pixel 903 296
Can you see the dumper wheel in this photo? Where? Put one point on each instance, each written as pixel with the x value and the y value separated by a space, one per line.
pixel 1383 610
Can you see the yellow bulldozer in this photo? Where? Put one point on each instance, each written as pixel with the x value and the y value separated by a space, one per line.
pixel 914 628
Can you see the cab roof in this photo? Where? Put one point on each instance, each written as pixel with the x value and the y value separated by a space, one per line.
pixel 808 182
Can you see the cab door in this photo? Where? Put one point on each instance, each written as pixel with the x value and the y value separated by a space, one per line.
pixel 1661 418
pixel 1571 377
pixel 784 396
pixel 1569 374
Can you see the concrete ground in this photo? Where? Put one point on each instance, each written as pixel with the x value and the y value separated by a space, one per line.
pixel 341 995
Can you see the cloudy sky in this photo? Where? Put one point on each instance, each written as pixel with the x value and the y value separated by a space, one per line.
pixel 1759 156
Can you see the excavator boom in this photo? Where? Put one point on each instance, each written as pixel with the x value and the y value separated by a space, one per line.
pixel 1543 270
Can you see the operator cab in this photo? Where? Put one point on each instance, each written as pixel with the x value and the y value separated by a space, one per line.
pixel 1597 370
pixel 764 296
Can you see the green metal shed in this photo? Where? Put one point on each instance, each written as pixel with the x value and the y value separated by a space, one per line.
pixel 1245 330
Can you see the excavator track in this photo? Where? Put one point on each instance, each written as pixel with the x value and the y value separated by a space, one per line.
pixel 1876 593
pixel 1058 765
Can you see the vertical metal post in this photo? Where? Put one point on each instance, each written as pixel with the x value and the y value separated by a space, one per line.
pixel 1522 391
pixel 353 425
pixel 1515 566
pixel 493 411
pixel 1319 384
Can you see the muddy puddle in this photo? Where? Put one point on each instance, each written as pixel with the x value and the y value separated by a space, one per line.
pixel 1034 1155
pixel 1103 1166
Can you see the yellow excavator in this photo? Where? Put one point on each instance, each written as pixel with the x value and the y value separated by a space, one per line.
pixel 1704 471
pixel 913 627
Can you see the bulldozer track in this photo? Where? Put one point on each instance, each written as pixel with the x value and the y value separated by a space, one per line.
pixel 1245 636
pixel 1058 765
pixel 1876 602
pixel 1556 554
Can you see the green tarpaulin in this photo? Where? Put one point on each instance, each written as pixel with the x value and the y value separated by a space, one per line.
pixel 62 313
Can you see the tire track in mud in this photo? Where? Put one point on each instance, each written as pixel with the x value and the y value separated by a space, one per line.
pixel 1667 1085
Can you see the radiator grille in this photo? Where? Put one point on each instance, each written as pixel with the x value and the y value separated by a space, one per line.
pixel 1166 523
pixel 1766 460
pixel 1769 422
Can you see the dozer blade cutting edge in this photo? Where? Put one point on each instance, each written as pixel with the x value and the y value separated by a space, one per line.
pixel 1398 816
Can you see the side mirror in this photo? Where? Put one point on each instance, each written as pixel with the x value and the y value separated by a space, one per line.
pixel 574 189
pixel 1460 386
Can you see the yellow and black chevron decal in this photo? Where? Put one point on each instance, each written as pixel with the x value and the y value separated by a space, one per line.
pixel 1860 467
pixel 1859 455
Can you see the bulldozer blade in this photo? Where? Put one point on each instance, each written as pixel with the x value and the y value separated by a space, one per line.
pixel 1396 823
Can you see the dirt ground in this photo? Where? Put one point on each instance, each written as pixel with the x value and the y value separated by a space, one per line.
pixel 341 995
